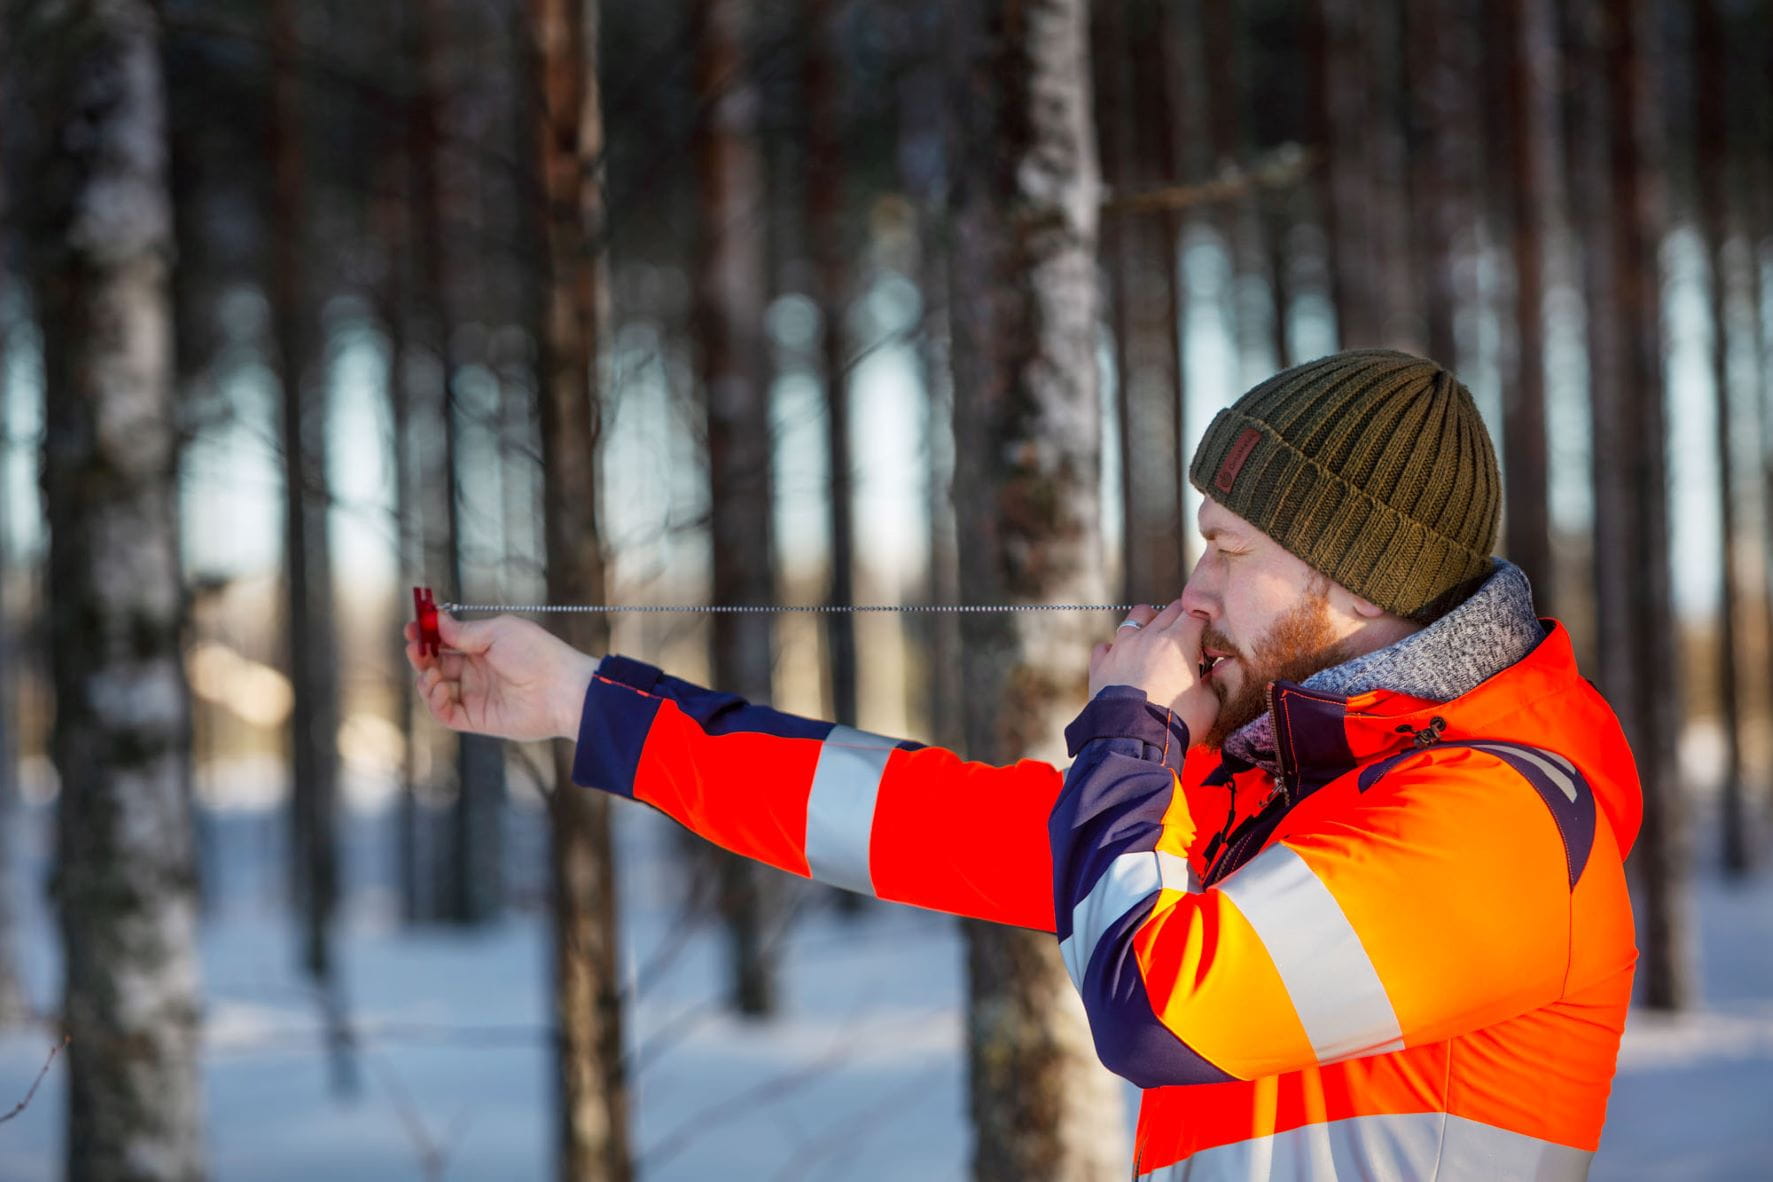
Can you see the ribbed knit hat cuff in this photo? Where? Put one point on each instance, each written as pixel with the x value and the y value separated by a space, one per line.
pixel 1373 549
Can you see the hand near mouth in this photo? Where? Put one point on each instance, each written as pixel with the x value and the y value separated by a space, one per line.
pixel 1164 658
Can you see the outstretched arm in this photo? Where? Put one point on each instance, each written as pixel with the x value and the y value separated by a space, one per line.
pixel 871 813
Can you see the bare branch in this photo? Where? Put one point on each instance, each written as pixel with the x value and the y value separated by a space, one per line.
pixel 1287 165
pixel 53 1052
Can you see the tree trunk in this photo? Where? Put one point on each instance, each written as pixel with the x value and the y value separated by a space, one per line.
pixel 824 219
pixel 568 211
pixel 1530 51
pixel 729 336
pixel 470 880
pixel 1140 258
pixel 1220 28
pixel 922 117
pixel 102 237
pixel 395 299
pixel 14 1005
pixel 1442 146
pixel 1639 670
pixel 1023 196
pixel 312 652
pixel 1341 122
pixel 1713 166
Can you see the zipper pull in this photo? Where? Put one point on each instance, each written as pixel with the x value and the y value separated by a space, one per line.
pixel 1428 736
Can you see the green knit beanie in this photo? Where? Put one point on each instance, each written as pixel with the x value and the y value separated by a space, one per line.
pixel 1373 466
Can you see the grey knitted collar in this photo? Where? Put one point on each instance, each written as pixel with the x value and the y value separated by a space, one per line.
pixel 1486 634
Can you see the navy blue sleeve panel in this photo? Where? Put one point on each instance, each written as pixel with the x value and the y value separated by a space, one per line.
pixel 1108 870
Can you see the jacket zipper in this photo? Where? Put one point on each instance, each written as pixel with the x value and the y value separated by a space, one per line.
pixel 1228 845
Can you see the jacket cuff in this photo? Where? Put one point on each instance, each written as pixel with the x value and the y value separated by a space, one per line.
pixel 614 720
pixel 1124 712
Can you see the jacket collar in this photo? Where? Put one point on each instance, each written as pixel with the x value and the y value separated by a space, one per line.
pixel 1383 702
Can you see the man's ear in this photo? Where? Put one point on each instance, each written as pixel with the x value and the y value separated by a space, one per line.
pixel 1366 609
pixel 1348 603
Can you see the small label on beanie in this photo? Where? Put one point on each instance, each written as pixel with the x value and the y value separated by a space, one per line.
pixel 1240 451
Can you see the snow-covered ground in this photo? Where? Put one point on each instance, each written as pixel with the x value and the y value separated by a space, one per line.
pixel 860 1079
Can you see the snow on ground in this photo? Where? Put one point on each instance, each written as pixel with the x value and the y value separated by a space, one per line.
pixel 861 1078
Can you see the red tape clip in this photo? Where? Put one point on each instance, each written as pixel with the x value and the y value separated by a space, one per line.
pixel 425 611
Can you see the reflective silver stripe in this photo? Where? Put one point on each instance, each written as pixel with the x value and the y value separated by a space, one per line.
pixel 1332 983
pixel 1406 1147
pixel 1565 780
pixel 840 808
pixel 1126 882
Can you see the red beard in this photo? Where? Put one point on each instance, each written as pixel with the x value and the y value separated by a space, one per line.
pixel 1299 643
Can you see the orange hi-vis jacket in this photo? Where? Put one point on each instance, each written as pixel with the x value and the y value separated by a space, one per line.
pixel 1407 956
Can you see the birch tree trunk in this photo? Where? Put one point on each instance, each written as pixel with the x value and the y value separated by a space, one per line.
pixel 592 1138
pixel 1024 197
pixel 102 236
pixel 729 338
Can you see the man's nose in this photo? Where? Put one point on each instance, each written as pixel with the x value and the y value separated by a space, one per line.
pixel 1197 600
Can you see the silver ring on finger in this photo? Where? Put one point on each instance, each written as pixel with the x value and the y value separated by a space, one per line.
pixel 1133 624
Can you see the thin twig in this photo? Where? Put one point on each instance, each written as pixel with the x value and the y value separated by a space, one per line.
pixel 53 1052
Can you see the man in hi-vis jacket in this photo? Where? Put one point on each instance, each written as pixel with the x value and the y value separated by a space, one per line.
pixel 1337 867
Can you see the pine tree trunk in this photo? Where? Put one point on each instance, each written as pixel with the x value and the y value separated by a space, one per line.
pixel 101 231
pixel 922 118
pixel 824 213
pixel 729 336
pixel 1713 165
pixel 1639 670
pixel 1140 258
pixel 1441 84
pixel 1534 184
pixel 1340 123
pixel 1024 195
pixel 313 657
pixel 567 207
pixel 394 229
pixel 14 1004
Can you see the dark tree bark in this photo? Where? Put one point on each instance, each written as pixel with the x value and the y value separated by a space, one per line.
pixel 312 653
pixel 1713 168
pixel 470 881
pixel 1442 86
pixel 1639 669
pixel 101 229
pixel 1529 32
pixel 568 209
pixel 392 215
pixel 1133 110
pixel 14 1005
pixel 1223 49
pixel 831 279
pixel 729 335
pixel 1341 121
pixel 923 133
pixel 1758 181
pixel 1023 199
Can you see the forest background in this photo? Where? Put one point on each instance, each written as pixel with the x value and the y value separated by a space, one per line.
pixel 783 301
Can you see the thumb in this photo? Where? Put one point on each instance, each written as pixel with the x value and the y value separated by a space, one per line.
pixel 465 636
